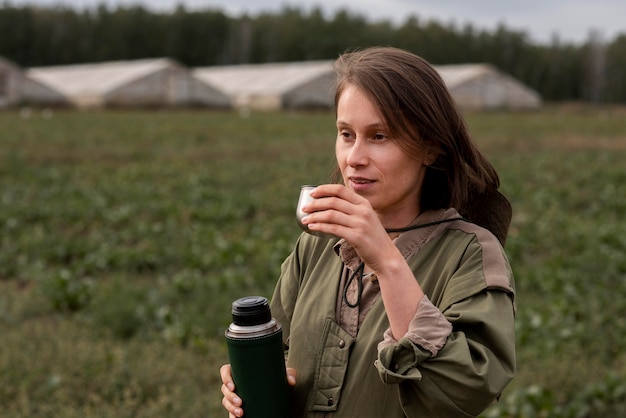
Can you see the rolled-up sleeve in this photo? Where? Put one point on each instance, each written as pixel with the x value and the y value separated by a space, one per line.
pixel 429 328
pixel 469 371
pixel 428 331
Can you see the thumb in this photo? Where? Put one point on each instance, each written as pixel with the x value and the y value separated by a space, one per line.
pixel 291 376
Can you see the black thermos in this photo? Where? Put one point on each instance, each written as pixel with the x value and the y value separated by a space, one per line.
pixel 255 349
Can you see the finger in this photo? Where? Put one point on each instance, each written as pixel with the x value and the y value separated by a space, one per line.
pixel 326 203
pixel 231 397
pixel 231 402
pixel 339 197
pixel 336 190
pixel 337 204
pixel 341 216
pixel 291 376
pixel 227 377
pixel 233 410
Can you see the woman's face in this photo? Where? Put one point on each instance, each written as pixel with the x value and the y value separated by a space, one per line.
pixel 373 164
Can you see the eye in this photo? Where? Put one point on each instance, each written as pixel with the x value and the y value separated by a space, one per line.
pixel 379 136
pixel 344 133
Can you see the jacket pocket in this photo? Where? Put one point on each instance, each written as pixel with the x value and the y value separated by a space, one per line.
pixel 331 367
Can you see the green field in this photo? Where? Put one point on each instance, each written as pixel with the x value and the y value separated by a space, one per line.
pixel 125 236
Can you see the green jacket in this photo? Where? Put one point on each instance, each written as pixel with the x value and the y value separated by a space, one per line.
pixel 464 272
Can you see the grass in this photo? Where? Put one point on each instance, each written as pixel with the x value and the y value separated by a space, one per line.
pixel 126 235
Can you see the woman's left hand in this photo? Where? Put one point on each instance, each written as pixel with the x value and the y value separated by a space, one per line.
pixel 339 211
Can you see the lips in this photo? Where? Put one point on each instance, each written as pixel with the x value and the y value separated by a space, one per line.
pixel 359 184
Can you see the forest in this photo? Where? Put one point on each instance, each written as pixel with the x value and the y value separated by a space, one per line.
pixel 593 71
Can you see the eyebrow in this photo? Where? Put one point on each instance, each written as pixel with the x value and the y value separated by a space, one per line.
pixel 378 125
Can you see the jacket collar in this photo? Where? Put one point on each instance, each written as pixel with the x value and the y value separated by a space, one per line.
pixel 409 242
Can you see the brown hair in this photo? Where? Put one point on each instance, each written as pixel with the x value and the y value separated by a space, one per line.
pixel 421 114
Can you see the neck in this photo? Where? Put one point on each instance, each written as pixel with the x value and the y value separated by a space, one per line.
pixel 399 221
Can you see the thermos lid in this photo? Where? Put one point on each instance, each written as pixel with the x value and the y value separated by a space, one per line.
pixel 251 310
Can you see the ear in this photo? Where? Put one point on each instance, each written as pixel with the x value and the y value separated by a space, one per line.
pixel 429 158
pixel 429 152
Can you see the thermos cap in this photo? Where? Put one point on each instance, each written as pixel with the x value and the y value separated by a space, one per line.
pixel 251 311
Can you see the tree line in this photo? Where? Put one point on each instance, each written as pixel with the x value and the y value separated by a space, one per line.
pixel 31 36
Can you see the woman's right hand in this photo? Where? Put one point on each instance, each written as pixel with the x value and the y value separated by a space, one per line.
pixel 231 402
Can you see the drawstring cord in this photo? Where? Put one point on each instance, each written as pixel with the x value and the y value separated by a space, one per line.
pixel 358 272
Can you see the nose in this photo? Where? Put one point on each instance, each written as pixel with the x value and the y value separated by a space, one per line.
pixel 357 156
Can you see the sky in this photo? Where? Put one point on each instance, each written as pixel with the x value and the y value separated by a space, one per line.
pixel 570 20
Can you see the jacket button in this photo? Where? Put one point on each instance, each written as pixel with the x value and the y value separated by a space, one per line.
pixel 342 343
pixel 331 401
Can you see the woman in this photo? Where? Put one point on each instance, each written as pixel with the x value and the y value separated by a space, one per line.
pixel 406 307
